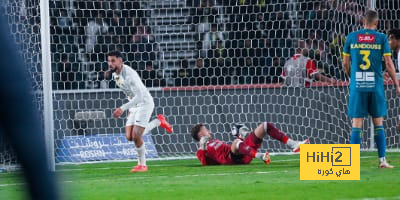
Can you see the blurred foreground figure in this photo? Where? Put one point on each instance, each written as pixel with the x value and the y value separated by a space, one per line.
pixel 19 120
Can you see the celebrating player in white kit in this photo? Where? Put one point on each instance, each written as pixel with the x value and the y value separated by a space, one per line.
pixel 140 106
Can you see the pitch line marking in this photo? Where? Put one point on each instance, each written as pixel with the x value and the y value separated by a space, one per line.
pixel 162 165
pixel 166 165
pixel 151 177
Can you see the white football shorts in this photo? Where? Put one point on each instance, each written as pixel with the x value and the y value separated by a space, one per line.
pixel 140 116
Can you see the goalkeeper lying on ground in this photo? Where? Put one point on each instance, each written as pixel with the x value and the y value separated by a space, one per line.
pixel 243 149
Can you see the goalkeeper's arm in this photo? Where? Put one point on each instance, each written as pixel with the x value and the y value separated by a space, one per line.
pixel 201 156
pixel 202 150
pixel 203 142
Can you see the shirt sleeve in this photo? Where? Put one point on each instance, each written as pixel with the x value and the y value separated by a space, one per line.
pixel 398 61
pixel 134 81
pixel 346 47
pixel 130 104
pixel 386 47
pixel 201 156
pixel 134 100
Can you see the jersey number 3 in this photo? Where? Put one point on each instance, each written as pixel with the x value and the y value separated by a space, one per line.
pixel 365 54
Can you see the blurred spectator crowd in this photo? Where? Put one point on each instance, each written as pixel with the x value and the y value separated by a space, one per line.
pixel 236 42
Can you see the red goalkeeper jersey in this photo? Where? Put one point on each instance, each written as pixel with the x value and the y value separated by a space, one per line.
pixel 217 152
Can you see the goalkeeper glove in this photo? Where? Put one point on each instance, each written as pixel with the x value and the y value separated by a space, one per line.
pixel 240 130
pixel 203 142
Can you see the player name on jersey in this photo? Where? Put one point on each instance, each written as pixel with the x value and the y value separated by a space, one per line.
pixel 366 46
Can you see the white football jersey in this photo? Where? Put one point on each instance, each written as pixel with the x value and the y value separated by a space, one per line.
pixel 130 83
pixel 398 62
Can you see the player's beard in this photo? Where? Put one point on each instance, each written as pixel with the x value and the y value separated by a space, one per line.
pixel 113 70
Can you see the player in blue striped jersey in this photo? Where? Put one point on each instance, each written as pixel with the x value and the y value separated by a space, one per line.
pixel 364 50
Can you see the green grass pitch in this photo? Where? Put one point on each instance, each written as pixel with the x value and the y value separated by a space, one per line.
pixel 186 179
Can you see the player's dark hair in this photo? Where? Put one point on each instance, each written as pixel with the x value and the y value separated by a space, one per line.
pixel 195 131
pixel 116 53
pixel 370 16
pixel 395 33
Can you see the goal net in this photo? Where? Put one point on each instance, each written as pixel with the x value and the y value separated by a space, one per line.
pixel 213 61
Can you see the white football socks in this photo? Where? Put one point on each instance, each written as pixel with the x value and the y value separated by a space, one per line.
pixel 291 143
pixel 260 155
pixel 141 154
pixel 151 125
pixel 141 151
